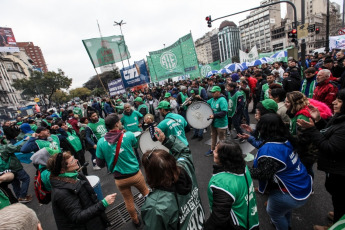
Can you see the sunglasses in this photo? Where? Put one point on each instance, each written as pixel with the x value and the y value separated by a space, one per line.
pixel 148 157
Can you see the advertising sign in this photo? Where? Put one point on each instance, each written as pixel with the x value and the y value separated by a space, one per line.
pixel 116 87
pixel 135 75
pixel 7 41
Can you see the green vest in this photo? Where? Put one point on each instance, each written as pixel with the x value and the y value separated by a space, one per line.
pixel 49 124
pixel 54 144
pixel 200 88
pixel 183 98
pixel 233 102
pixel 78 111
pixel 98 128
pixel 74 140
pixel 311 88
pixel 236 186
pixel 131 123
pixel 33 127
pixel 143 106
pixel 218 105
pixel 265 89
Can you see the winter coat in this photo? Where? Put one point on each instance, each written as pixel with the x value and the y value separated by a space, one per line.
pixel 292 83
pixel 75 204
pixel 339 69
pixel 330 141
pixel 325 92
pixel 161 208
pixel 8 158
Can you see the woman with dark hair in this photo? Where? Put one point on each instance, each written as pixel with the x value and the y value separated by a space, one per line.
pixel 279 171
pixel 278 94
pixel 229 189
pixel 330 140
pixel 174 202
pixel 75 204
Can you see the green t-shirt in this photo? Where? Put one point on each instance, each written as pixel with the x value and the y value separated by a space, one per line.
pixel 173 125
pixel 78 111
pixel 235 186
pixel 74 140
pixel 127 162
pixel 233 102
pixel 54 143
pixel 98 128
pixel 218 105
pixel 131 123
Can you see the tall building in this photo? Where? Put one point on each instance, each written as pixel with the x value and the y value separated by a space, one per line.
pixel 215 48
pixel 229 40
pixel 35 53
pixel 256 28
pixel 203 48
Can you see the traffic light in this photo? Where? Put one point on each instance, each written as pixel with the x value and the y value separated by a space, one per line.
pixel 293 34
pixel 317 30
pixel 209 21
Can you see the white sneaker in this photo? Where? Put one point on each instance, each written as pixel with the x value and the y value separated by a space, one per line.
pixel 94 161
pixel 205 131
pixel 96 168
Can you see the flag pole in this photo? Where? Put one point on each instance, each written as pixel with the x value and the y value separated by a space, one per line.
pixel 107 91
pixel 120 24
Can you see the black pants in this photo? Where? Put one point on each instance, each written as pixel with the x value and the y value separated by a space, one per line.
pixel 236 121
pixel 333 184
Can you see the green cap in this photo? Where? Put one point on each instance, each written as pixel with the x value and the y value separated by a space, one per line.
pixel 270 104
pixel 139 99
pixel 163 105
pixel 215 89
pixel 167 95
pixel 192 91
pixel 118 100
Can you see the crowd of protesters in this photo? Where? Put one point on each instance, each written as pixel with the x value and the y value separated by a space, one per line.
pixel 300 122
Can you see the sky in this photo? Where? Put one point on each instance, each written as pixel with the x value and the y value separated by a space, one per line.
pixel 59 26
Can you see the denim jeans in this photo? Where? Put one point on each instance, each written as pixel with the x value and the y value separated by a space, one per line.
pixel 279 208
pixel 21 176
pixel 198 132
pixel 93 155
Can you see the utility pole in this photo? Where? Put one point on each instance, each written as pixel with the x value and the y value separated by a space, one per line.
pixel 327 28
pixel 120 24
pixel 303 45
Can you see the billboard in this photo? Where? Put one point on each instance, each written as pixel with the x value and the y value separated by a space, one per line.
pixel 116 87
pixel 135 74
pixel 7 40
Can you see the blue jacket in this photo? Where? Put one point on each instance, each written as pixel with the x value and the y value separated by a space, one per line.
pixel 108 109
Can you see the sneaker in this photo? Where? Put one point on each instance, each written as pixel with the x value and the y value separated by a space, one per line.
pixel 319 227
pixel 205 131
pixel 96 168
pixel 200 138
pixel 209 153
pixel 26 199
pixel 194 137
pixel 242 140
pixel 330 216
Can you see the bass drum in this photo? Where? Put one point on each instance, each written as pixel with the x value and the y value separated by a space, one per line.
pixel 146 143
pixel 198 113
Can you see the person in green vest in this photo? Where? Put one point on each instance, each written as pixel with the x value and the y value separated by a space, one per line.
pixel 236 105
pixel 142 107
pixel 47 122
pixel 33 125
pixel 119 107
pixel 230 191
pixel 219 125
pixel 265 87
pixel 173 124
pixel 309 83
pixel 181 98
pixel 97 125
pixel 77 110
pixel 73 144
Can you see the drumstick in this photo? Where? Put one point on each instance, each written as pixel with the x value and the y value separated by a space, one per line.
pixel 84 165
pixel 209 118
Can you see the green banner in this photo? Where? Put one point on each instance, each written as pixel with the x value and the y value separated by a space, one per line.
pixel 207 68
pixel 176 60
pixel 224 63
pixel 106 50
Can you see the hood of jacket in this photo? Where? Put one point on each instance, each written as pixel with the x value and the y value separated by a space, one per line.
pixel 66 183
pixel 113 136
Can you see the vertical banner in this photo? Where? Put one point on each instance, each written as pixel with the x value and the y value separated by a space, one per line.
pixel 175 60
pixel 106 50
pixel 135 75
pixel 116 87
pixel 7 41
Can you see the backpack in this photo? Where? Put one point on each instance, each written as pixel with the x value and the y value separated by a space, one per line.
pixel 43 196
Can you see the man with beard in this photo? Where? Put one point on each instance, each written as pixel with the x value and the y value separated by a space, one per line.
pixel 97 125
pixel 173 124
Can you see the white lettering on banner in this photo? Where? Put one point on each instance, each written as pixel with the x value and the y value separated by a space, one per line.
pixel 130 73
pixel 192 205
pixel 196 220
pixel 168 60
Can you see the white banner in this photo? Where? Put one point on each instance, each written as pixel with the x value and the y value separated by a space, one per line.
pixel 249 57
pixel 337 42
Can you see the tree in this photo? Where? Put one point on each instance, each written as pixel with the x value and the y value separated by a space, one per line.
pixel 82 93
pixel 98 92
pixel 60 97
pixel 105 77
pixel 43 84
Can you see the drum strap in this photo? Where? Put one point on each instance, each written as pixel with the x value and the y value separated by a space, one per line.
pixel 118 146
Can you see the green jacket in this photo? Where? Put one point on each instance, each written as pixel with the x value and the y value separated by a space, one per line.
pixel 8 159
pixel 161 210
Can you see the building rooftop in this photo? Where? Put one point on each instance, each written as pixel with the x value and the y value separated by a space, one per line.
pixel 225 24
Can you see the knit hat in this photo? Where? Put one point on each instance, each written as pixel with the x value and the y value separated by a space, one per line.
pixel 192 91
pixel 270 104
pixel 138 99
pixel 163 105
pixel 26 128
pixel 215 89
pixel 167 95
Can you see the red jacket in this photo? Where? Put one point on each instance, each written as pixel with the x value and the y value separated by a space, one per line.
pixel 252 84
pixel 326 93
pixel 74 122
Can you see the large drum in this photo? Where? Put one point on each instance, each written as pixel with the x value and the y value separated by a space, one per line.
pixel 198 114
pixel 146 143
pixel 96 185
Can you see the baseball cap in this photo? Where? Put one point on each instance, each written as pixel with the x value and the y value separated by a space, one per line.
pixel 270 104
pixel 192 91
pixel 167 95
pixel 40 129
pixel 163 105
pixel 118 100
pixel 139 99
pixel 215 89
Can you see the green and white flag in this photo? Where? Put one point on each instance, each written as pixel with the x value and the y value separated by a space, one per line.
pixel 207 68
pixel 176 60
pixel 106 50
pixel 224 63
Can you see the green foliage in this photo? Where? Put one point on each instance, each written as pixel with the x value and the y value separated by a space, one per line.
pixel 44 84
pixel 106 77
pixel 98 92
pixel 60 97
pixel 82 93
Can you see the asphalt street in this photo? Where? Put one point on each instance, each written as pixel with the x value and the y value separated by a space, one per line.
pixel 314 212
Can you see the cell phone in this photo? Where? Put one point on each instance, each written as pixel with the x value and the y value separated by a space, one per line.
pixel 152 132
